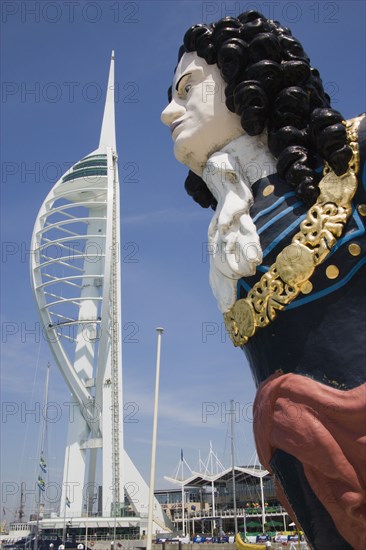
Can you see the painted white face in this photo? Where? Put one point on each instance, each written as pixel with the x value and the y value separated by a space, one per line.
pixel 197 116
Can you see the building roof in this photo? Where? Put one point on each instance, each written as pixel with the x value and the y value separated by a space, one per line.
pixel 199 479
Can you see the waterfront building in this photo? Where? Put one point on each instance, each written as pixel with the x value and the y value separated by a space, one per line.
pixel 209 502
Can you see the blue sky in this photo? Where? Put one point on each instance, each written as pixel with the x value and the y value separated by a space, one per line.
pixel 55 59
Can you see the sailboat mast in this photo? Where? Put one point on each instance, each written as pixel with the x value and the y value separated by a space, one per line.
pixel 43 438
pixel 44 422
pixel 21 508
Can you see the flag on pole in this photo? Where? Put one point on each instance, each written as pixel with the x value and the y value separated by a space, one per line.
pixel 43 465
pixel 68 503
pixel 41 484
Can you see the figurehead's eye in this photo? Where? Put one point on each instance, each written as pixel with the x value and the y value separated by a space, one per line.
pixel 184 88
pixel 184 85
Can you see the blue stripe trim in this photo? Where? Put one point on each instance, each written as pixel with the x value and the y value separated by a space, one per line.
pixel 242 284
pixel 352 234
pixel 263 268
pixel 321 293
pixel 310 298
pixel 279 216
pixel 273 206
pixel 283 234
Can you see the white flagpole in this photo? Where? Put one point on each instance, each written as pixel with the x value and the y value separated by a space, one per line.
pixel 183 530
pixel 153 446
pixel 233 466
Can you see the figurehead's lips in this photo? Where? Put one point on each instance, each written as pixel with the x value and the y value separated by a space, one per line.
pixel 174 125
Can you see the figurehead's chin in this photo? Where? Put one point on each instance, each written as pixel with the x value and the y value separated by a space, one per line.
pixel 187 157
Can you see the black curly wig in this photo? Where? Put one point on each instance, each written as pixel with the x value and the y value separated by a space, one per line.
pixel 271 85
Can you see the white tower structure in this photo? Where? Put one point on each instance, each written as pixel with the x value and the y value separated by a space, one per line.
pixel 76 277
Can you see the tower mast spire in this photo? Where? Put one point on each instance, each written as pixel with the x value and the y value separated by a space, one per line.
pixel 78 293
pixel 108 131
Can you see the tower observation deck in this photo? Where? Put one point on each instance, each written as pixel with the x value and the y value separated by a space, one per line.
pixel 76 278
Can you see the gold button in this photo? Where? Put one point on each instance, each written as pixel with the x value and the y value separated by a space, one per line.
pixel 354 249
pixel 307 287
pixel 332 272
pixel 361 209
pixel 268 190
